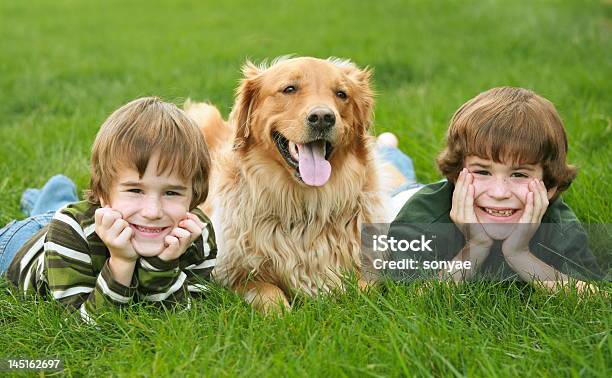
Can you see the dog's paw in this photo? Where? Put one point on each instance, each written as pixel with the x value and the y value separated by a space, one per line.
pixel 266 298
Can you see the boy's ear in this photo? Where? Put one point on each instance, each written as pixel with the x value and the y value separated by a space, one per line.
pixel 551 192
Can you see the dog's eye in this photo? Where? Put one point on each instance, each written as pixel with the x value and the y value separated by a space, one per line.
pixel 341 94
pixel 290 89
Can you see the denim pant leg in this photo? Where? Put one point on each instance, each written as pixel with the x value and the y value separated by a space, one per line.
pixel 400 160
pixel 15 234
pixel 57 192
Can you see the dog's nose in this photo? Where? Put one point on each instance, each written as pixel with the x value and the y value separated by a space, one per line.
pixel 321 118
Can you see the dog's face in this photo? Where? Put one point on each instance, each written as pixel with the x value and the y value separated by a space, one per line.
pixel 303 113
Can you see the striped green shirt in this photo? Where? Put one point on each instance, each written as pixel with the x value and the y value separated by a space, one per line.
pixel 68 260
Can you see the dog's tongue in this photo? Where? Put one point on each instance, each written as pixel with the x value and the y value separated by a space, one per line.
pixel 314 169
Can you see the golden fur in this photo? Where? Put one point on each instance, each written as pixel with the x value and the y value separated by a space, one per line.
pixel 277 235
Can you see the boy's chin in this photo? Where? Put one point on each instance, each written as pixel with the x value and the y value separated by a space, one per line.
pixel 147 249
pixel 498 228
pixel 498 231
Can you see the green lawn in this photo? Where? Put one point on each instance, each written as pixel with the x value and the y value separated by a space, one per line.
pixel 66 65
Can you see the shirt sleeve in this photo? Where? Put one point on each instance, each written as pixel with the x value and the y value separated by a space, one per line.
pixel 171 282
pixel 567 251
pixel 70 275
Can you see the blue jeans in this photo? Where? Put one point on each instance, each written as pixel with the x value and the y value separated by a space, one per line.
pixel 403 163
pixel 40 205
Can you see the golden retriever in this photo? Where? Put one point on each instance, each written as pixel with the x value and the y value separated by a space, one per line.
pixel 293 178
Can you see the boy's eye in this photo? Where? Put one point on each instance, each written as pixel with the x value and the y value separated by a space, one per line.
pixel 519 175
pixel 481 172
pixel 134 190
pixel 172 193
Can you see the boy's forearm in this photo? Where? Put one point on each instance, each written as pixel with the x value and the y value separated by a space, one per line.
pixel 107 293
pixel 532 269
pixel 475 254
pixel 104 293
pixel 81 286
pixel 122 270
pixel 160 281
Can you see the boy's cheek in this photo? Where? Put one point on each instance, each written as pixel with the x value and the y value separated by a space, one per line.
pixel 126 208
pixel 480 185
pixel 521 191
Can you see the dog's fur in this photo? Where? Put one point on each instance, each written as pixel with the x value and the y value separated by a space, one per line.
pixel 277 235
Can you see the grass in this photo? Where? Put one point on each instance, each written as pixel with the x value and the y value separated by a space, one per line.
pixel 474 330
pixel 66 65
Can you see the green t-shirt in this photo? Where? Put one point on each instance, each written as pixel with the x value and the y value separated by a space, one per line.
pixel 560 241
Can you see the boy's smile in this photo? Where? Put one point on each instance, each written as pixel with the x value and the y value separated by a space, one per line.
pixel 148 231
pixel 152 205
pixel 500 192
pixel 499 214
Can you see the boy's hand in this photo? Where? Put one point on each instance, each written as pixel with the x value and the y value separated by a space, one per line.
pixel 181 237
pixel 462 212
pixel 536 204
pixel 116 234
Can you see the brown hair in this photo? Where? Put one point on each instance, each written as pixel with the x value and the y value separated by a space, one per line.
pixel 509 125
pixel 139 129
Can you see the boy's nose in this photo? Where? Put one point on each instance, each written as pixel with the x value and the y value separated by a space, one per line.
pixel 500 188
pixel 152 208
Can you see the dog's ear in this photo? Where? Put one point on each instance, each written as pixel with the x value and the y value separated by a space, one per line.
pixel 246 97
pixel 250 70
pixel 363 97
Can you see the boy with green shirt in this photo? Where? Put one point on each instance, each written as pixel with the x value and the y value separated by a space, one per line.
pixel 138 236
pixel 499 210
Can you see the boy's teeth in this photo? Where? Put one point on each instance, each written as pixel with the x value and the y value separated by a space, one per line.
pixel 499 213
pixel 148 229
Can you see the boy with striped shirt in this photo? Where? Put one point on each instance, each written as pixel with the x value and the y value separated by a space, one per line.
pixel 138 236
